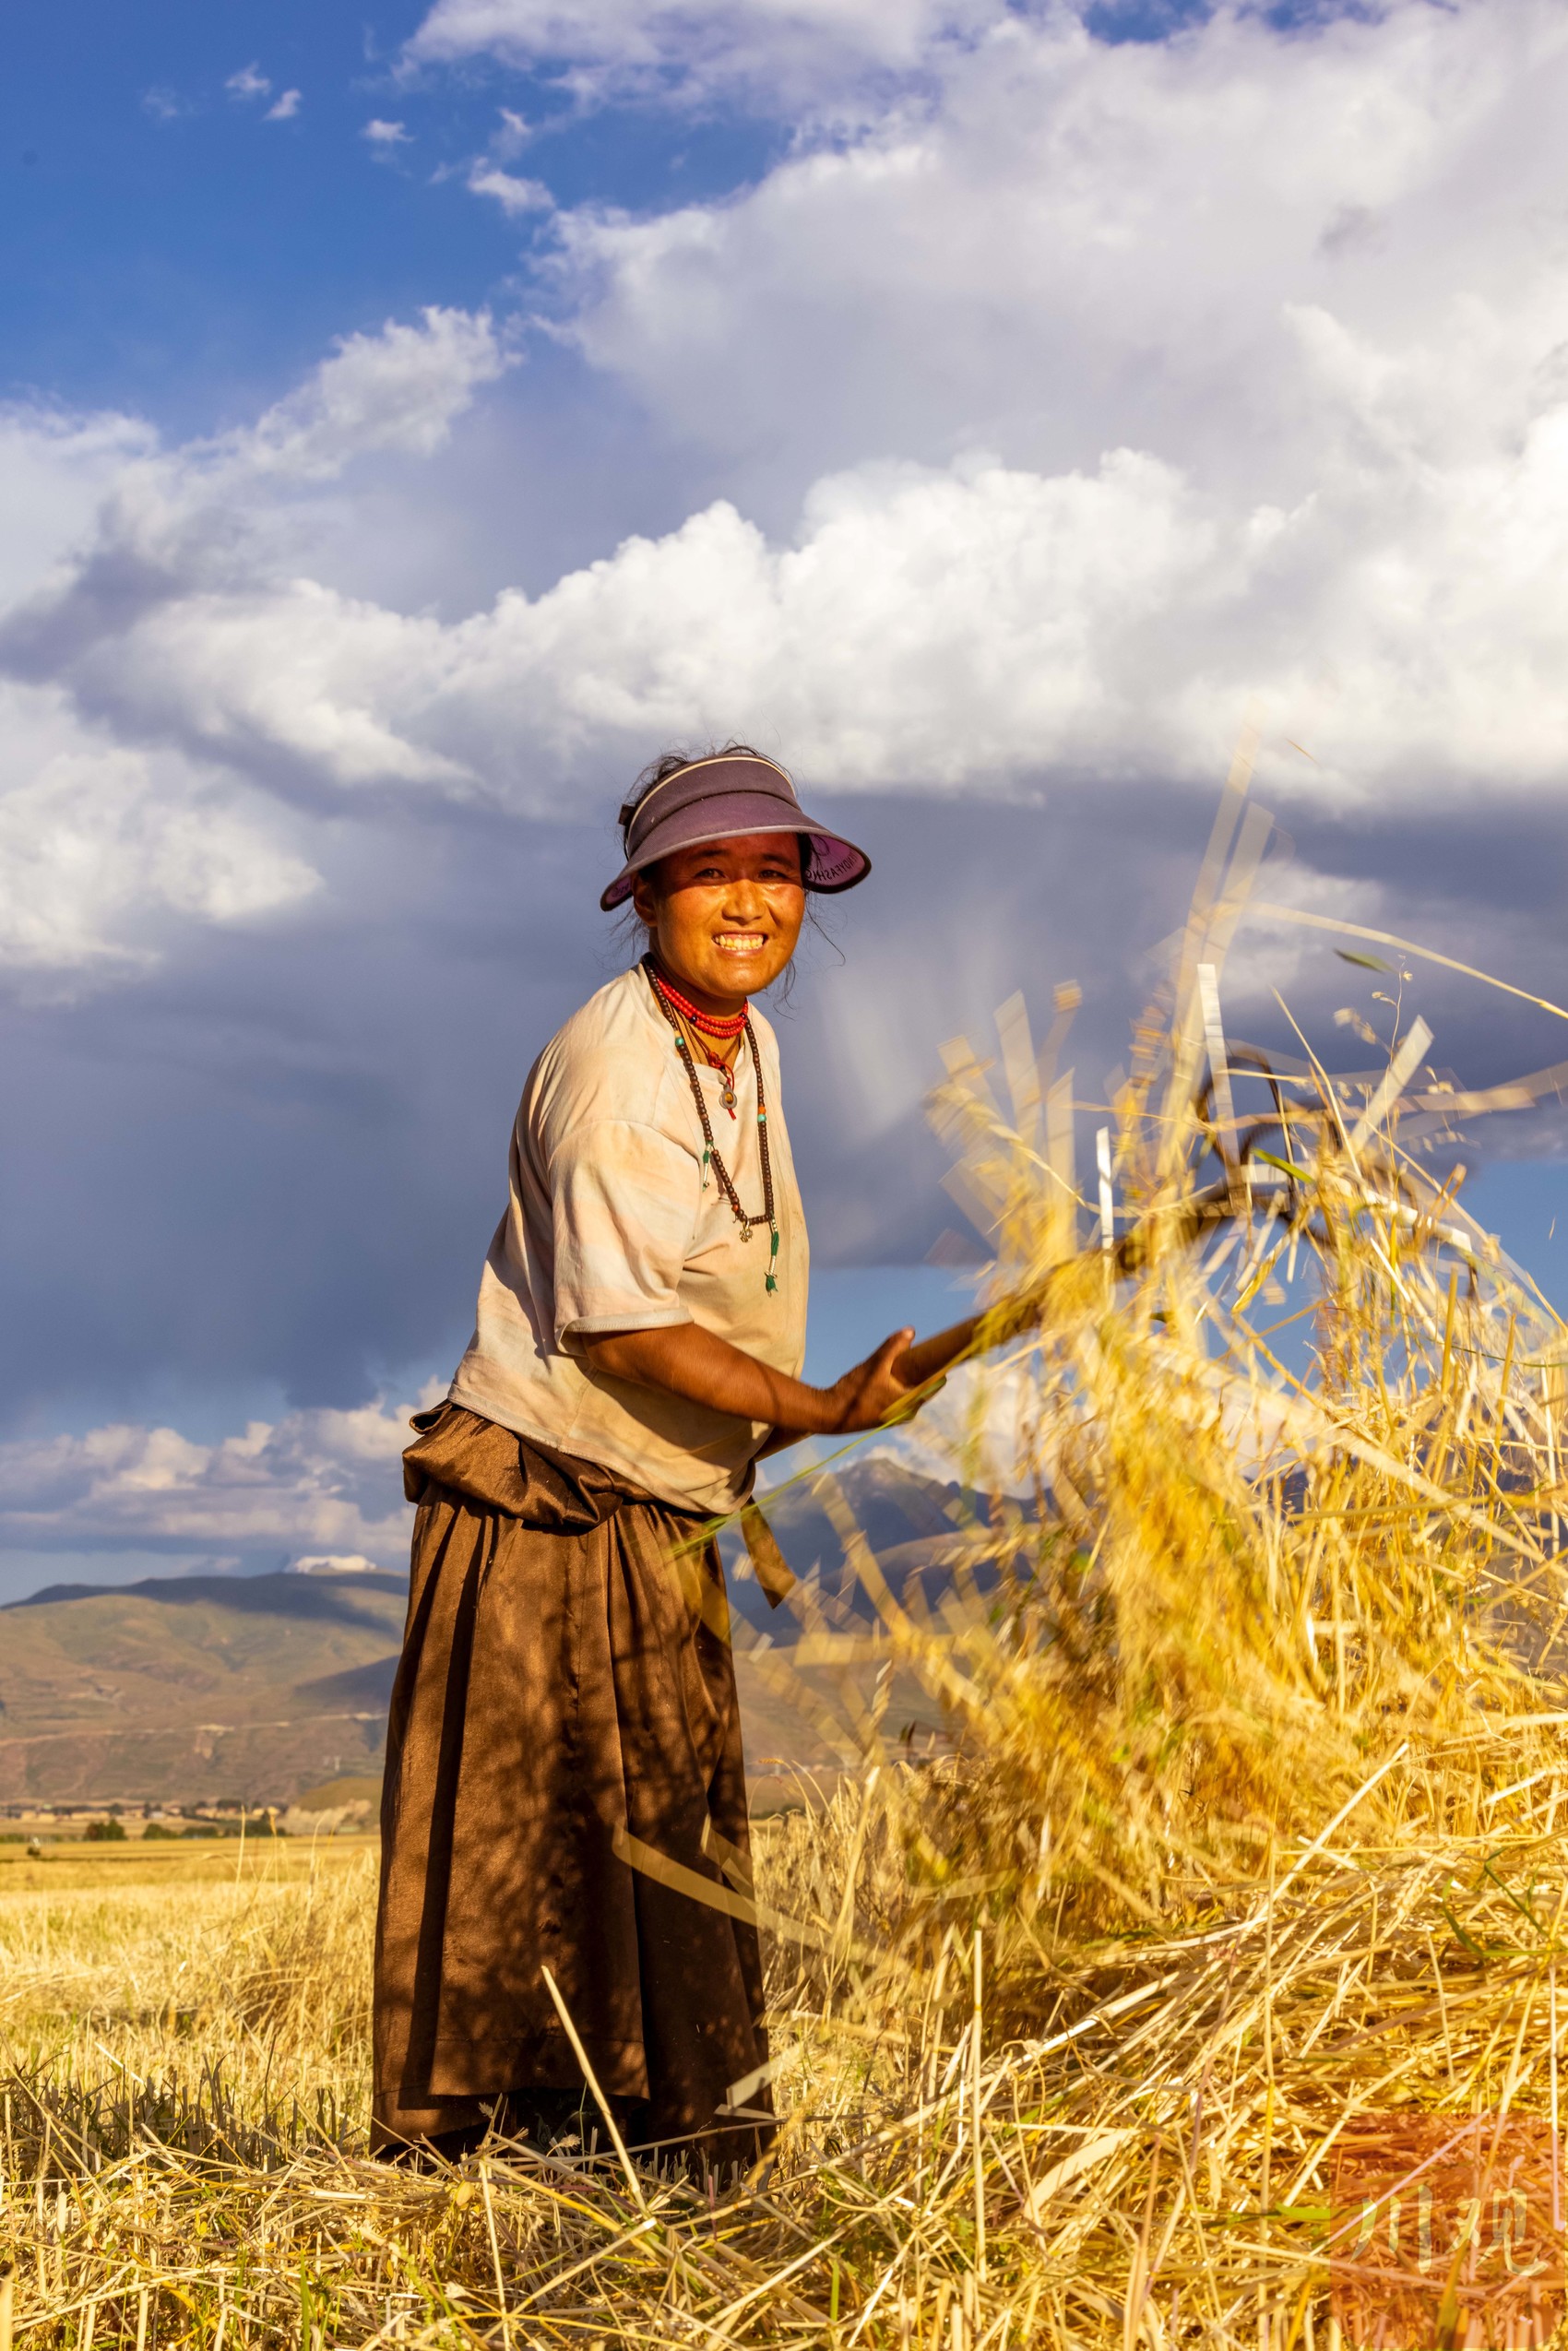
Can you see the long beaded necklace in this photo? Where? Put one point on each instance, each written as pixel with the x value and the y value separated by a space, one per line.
pixel 668 999
pixel 726 1026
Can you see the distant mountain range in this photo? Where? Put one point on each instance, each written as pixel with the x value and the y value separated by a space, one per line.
pixel 184 1689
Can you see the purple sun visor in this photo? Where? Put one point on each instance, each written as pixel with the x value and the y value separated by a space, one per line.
pixel 722 799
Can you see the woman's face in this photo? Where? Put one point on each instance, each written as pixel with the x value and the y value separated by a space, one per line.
pixel 725 916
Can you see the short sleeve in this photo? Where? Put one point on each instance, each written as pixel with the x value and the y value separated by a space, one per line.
pixel 624 1205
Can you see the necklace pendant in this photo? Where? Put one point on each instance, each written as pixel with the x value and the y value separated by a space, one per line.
pixel 728 1099
pixel 745 1228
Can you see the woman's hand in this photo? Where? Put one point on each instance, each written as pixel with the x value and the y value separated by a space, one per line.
pixel 872 1391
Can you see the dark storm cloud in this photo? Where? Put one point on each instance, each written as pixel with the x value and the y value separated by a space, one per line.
pixel 282 1160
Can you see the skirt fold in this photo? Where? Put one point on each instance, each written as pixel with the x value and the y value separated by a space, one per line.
pixel 566 1681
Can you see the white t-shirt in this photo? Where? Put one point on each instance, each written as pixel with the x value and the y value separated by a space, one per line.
pixel 610 1227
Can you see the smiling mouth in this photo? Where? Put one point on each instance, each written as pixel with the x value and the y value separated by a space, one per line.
pixel 739 942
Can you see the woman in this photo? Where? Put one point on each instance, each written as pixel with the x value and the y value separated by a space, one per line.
pixel 564 1759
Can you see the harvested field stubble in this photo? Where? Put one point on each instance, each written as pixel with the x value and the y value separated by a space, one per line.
pixel 1247 1831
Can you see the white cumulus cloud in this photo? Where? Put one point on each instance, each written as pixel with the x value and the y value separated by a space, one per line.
pixel 102 845
pixel 57 470
pixel 316 1482
pixel 514 195
pixel 1064 247
pixel 111 831
pixel 779 52
pixel 971 625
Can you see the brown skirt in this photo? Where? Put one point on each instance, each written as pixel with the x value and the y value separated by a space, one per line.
pixel 565 1707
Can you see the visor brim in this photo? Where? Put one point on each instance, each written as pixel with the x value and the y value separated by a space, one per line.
pixel 831 863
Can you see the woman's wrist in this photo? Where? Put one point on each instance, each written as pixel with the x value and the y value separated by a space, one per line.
pixel 791 1405
pixel 817 1412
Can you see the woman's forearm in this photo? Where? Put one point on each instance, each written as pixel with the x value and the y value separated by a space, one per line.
pixel 694 1363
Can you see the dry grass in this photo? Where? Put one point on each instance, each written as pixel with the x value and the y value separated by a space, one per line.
pixel 1249 1827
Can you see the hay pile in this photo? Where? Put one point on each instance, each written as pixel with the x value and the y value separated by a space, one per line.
pixel 1246 1833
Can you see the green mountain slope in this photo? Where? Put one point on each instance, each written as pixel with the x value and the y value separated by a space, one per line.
pixel 191 1687
pixel 186 1688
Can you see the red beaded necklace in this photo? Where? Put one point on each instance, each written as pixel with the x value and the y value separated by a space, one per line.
pixel 726 1024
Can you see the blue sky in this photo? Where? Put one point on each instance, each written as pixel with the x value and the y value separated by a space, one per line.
pixel 170 246
pixel 412 421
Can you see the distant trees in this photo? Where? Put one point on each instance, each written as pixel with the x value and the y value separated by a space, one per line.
pixel 203 1827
